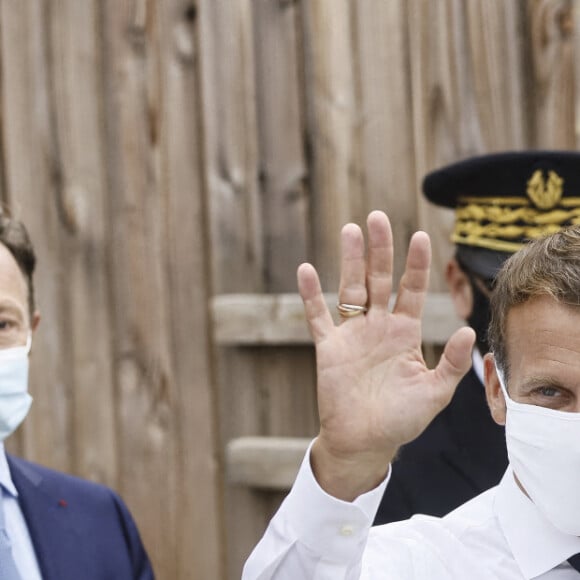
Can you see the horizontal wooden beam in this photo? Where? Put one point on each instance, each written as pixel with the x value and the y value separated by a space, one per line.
pixel 265 462
pixel 271 319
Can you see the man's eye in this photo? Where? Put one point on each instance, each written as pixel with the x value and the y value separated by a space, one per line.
pixel 548 391
pixel 5 324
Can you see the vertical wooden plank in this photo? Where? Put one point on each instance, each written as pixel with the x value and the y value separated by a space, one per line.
pixel 31 176
pixel 333 128
pixel 234 217
pixel 449 117
pixel 286 375
pixel 290 376
pixel 81 203
pixel 281 140
pixel 388 165
pixel 552 48
pixel 495 65
pixel 434 94
pixel 231 144
pixel 140 317
pixel 199 527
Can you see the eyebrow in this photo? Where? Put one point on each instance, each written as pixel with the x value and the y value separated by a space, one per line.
pixel 10 307
pixel 535 382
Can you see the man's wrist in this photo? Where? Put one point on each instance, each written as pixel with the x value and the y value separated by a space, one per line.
pixel 346 477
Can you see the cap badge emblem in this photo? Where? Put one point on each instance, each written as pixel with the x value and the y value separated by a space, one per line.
pixel 545 193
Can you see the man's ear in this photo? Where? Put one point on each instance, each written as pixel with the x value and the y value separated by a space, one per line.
pixel 35 320
pixel 493 392
pixel 459 289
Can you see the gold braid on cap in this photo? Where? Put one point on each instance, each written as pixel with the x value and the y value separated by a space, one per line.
pixel 505 223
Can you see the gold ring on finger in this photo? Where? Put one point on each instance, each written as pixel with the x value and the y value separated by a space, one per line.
pixel 350 310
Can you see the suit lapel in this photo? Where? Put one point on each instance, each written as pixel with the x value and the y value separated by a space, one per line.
pixel 53 536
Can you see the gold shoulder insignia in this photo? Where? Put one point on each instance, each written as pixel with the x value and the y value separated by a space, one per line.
pixel 545 194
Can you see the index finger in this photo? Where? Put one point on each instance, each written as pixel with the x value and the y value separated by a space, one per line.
pixel 318 317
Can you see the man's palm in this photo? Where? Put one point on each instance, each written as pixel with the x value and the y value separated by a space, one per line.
pixel 374 390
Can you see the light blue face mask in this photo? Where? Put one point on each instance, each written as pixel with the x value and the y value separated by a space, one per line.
pixel 14 398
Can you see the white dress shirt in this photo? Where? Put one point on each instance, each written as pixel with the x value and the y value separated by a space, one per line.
pixel 499 535
pixel 22 548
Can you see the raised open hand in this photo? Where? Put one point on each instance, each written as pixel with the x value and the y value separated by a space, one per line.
pixel 375 392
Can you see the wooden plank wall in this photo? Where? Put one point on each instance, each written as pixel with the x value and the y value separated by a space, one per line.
pixel 101 157
pixel 163 152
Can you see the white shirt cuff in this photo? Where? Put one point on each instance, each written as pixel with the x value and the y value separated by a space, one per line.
pixel 326 525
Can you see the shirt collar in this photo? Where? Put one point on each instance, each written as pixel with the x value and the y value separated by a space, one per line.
pixel 5 479
pixel 537 546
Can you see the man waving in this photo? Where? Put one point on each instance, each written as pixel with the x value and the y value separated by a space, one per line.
pixel 376 394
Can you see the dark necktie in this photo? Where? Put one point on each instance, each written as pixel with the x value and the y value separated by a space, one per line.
pixel 8 569
pixel 575 561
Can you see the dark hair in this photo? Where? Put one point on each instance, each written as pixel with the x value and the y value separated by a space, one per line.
pixel 550 267
pixel 15 237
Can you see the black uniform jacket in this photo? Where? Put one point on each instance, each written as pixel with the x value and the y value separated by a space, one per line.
pixel 459 455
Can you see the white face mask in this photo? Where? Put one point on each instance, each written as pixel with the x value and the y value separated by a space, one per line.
pixel 544 451
pixel 14 398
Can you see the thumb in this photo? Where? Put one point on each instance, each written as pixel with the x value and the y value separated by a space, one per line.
pixel 455 362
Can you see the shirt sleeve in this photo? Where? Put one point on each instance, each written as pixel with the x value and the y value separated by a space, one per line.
pixel 314 536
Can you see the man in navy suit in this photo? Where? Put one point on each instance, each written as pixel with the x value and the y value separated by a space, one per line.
pixel 56 527
pixel 500 202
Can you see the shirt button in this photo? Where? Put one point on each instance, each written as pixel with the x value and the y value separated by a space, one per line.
pixel 346 530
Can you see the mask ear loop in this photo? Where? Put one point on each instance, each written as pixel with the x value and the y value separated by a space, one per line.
pixel 501 380
pixel 29 342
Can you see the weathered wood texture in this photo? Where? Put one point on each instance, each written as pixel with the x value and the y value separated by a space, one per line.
pixel 277 319
pixel 165 153
pixel 101 116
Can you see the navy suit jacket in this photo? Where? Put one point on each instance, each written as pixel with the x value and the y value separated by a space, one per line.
pixel 460 454
pixel 80 530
